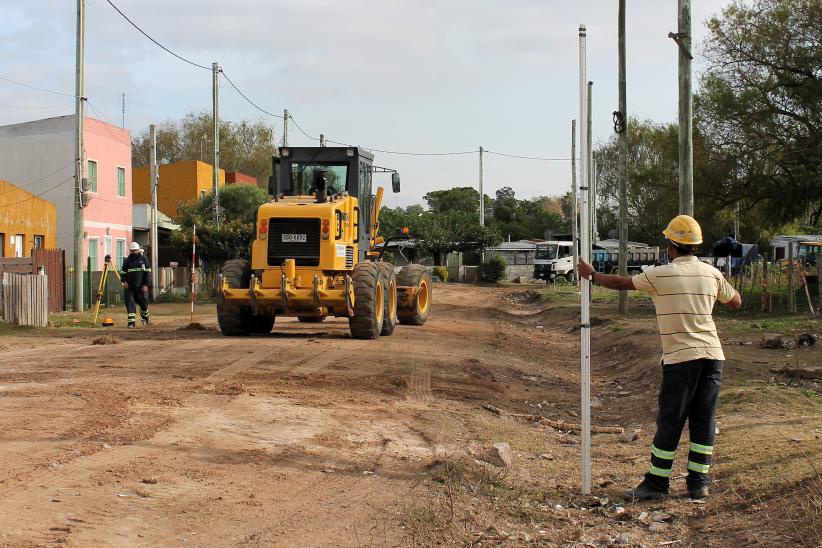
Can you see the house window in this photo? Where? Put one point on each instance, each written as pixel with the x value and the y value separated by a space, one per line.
pixel 121 182
pixel 93 253
pixel 2 244
pixel 121 253
pixel 18 241
pixel 39 241
pixel 92 176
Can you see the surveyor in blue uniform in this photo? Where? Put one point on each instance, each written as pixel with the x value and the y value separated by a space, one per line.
pixel 136 278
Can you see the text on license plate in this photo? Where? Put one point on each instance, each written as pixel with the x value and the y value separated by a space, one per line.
pixel 295 238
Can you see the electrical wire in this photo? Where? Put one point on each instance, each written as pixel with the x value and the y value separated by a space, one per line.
pixel 403 153
pixel 250 102
pixel 301 129
pixel 36 88
pixel 43 178
pixel 521 157
pixel 40 194
pixel 144 33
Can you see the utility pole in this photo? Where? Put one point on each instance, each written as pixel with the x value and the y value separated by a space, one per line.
pixel 622 166
pixel 686 154
pixel 574 212
pixel 482 195
pixel 593 202
pixel 589 161
pixel 79 113
pixel 585 286
pixel 285 127
pixel 736 221
pixel 123 110
pixel 215 85
pixel 152 136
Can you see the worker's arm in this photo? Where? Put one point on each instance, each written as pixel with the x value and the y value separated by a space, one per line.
pixel 611 281
pixel 736 302
pixel 727 295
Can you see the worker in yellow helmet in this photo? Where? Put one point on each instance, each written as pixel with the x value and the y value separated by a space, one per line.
pixel 684 292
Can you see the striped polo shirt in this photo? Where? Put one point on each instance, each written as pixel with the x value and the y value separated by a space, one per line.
pixel 684 293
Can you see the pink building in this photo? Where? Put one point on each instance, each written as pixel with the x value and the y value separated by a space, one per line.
pixel 39 156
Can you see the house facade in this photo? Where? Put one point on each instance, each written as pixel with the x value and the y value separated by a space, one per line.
pixel 39 157
pixel 177 183
pixel 27 222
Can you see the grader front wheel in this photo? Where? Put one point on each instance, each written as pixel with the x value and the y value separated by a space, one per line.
pixel 416 311
pixel 235 320
pixel 390 290
pixel 369 307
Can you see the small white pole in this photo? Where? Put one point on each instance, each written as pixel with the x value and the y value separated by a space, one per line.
pixel 193 262
pixel 585 287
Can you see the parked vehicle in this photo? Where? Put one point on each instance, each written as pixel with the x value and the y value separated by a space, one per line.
pixel 554 259
pixel 639 258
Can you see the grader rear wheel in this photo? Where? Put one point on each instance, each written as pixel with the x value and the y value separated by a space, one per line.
pixel 390 291
pixel 369 306
pixel 235 320
pixel 417 311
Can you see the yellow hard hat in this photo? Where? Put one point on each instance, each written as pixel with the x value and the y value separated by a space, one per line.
pixel 683 230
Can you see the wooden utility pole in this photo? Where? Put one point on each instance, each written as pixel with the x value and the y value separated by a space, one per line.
pixel 589 161
pixel 622 167
pixel 154 175
pixel 574 211
pixel 215 79
pixel 79 114
pixel 686 155
pixel 285 127
pixel 791 276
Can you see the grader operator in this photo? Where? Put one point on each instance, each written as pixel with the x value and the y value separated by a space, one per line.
pixel 314 254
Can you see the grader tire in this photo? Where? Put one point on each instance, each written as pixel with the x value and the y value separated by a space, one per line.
pixel 417 312
pixel 311 319
pixel 390 317
pixel 262 325
pixel 235 320
pixel 369 308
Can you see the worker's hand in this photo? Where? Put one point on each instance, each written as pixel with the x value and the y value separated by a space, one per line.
pixel 585 269
pixel 125 285
pixel 144 289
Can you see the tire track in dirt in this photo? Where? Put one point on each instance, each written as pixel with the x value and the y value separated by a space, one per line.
pixel 419 386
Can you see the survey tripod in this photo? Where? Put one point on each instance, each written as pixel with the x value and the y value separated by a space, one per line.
pixel 107 267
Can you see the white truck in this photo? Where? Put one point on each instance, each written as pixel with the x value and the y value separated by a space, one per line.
pixel 553 259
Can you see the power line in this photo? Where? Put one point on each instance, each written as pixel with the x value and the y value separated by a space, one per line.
pixel 252 103
pixel 43 178
pixel 36 88
pixel 144 33
pixel 404 153
pixel 302 130
pixel 40 194
pixel 521 157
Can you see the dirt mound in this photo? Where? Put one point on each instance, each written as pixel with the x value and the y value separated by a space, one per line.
pixel 195 326
pixel 105 340
pixel 526 297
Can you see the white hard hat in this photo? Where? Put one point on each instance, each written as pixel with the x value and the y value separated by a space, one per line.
pixel 134 246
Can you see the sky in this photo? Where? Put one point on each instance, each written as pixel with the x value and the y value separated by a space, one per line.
pixel 399 75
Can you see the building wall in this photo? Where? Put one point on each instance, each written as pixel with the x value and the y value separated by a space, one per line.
pixel 237 178
pixel 178 182
pixel 39 157
pixel 25 214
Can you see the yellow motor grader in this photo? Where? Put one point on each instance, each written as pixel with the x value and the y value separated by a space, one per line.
pixel 315 252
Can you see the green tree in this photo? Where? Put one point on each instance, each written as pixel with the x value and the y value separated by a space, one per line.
pixel 244 146
pixel 760 108
pixel 233 237
pixel 441 233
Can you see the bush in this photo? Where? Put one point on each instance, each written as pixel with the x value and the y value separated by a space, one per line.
pixel 440 272
pixel 493 270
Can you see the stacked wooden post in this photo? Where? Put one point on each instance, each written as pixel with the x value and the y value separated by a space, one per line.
pixel 25 299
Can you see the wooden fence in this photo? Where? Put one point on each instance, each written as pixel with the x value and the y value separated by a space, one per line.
pixel 25 299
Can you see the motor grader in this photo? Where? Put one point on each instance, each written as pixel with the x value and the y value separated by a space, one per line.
pixel 315 252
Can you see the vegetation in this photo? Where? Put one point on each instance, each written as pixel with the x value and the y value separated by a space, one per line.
pixel 493 270
pixel 440 272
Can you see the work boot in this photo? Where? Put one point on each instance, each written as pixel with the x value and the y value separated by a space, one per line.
pixel 145 321
pixel 698 492
pixel 643 491
pixel 131 325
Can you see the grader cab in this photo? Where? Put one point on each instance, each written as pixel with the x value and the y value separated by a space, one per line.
pixel 314 254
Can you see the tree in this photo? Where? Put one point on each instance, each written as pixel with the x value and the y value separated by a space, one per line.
pixel 463 198
pixel 233 237
pixel 760 108
pixel 244 146
pixel 443 233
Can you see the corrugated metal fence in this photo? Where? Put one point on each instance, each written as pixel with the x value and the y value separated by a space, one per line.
pixel 25 299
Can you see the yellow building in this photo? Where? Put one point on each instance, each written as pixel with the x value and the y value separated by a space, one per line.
pixel 179 182
pixel 26 222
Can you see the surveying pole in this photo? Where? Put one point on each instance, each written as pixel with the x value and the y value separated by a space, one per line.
pixel 215 120
pixel 79 113
pixel 285 127
pixel 585 287
pixel 481 193
pixel 686 153
pixel 574 212
pixel 622 166
pixel 152 136
pixel 589 161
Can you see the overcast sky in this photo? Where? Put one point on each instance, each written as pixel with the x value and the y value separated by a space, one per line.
pixel 419 76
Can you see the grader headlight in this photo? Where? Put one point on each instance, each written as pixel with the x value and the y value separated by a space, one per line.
pixel 264 229
pixel 326 229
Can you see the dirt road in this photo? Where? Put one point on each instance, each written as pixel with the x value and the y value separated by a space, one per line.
pixel 305 437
